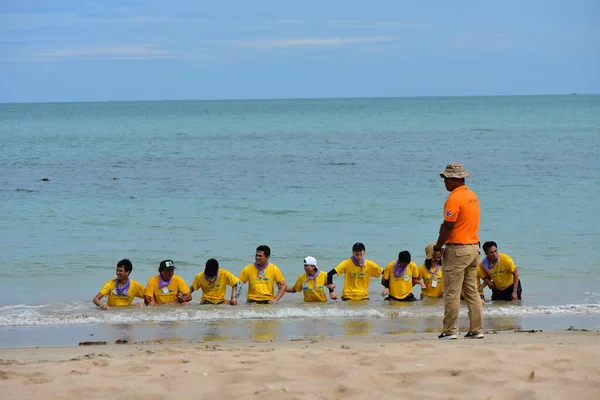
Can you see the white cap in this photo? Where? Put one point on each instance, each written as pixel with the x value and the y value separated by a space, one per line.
pixel 310 261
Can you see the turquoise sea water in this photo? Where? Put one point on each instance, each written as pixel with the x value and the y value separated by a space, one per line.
pixel 192 180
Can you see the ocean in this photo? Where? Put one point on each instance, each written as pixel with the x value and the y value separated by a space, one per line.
pixel 193 180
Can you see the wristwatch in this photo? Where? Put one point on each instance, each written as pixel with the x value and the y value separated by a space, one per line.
pixel 435 248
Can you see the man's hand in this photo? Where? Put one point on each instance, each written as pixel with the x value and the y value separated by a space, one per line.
pixel 180 298
pixel 333 296
pixel 103 306
pixel 233 301
pixel 330 286
pixel 385 292
pixel 274 301
pixel 514 296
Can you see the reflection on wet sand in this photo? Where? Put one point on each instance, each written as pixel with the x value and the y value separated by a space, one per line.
pixel 217 331
pixel 355 327
pixel 263 329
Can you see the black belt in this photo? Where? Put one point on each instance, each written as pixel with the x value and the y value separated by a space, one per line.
pixel 460 244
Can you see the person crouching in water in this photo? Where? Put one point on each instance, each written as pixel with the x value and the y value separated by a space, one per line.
pixel 213 282
pixel 312 282
pixel 166 288
pixel 122 290
pixel 431 275
pixel 399 278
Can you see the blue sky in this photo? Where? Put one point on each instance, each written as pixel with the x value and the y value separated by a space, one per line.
pixel 153 50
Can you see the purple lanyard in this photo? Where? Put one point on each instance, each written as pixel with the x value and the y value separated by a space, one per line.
pixel 162 283
pixel 213 280
pixel 486 264
pixel 356 262
pixel 261 270
pixel 399 271
pixel 434 273
pixel 309 277
pixel 122 291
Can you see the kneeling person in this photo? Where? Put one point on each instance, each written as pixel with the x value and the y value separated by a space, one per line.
pixel 213 282
pixel 399 278
pixel 122 290
pixel 312 282
pixel 165 287
pixel 500 273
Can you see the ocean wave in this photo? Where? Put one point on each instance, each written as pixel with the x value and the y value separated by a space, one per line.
pixel 82 313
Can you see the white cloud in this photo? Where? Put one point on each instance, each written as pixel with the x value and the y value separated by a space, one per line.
pixel 335 41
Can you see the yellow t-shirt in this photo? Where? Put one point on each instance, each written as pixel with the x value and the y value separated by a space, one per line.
pixel 501 274
pixel 261 288
pixel 314 289
pixel 214 292
pixel 401 286
pixel 428 278
pixel 115 300
pixel 356 278
pixel 169 295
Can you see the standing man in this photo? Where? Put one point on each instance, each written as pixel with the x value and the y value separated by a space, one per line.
pixel 213 282
pixel 166 287
pixel 121 290
pixel 357 275
pixel 500 273
pixel 261 276
pixel 459 234
pixel 312 282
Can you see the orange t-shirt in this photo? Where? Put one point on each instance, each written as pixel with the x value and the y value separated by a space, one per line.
pixel 462 208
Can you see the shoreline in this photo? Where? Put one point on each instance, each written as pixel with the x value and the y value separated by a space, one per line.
pixel 544 365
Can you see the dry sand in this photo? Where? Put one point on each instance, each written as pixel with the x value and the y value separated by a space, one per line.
pixel 506 365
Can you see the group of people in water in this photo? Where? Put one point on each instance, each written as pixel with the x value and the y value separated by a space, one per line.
pixel 497 271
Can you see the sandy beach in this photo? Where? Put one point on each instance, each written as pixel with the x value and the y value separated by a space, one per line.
pixel 504 365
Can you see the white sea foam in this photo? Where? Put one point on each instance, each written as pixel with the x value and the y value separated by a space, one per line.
pixel 82 313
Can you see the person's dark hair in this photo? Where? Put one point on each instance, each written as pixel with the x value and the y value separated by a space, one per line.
pixel 126 264
pixel 211 268
pixel 265 249
pixel 404 257
pixel 489 244
pixel 428 263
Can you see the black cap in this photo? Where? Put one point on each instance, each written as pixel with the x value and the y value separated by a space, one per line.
pixel 358 246
pixel 166 264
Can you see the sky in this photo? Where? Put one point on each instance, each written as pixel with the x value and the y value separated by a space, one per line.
pixel 64 50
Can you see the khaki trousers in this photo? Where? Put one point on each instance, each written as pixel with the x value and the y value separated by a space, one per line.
pixel 460 274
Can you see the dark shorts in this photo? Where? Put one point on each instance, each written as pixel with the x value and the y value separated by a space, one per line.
pixel 347 299
pixel 258 301
pixel 506 294
pixel 410 297
pixel 210 302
